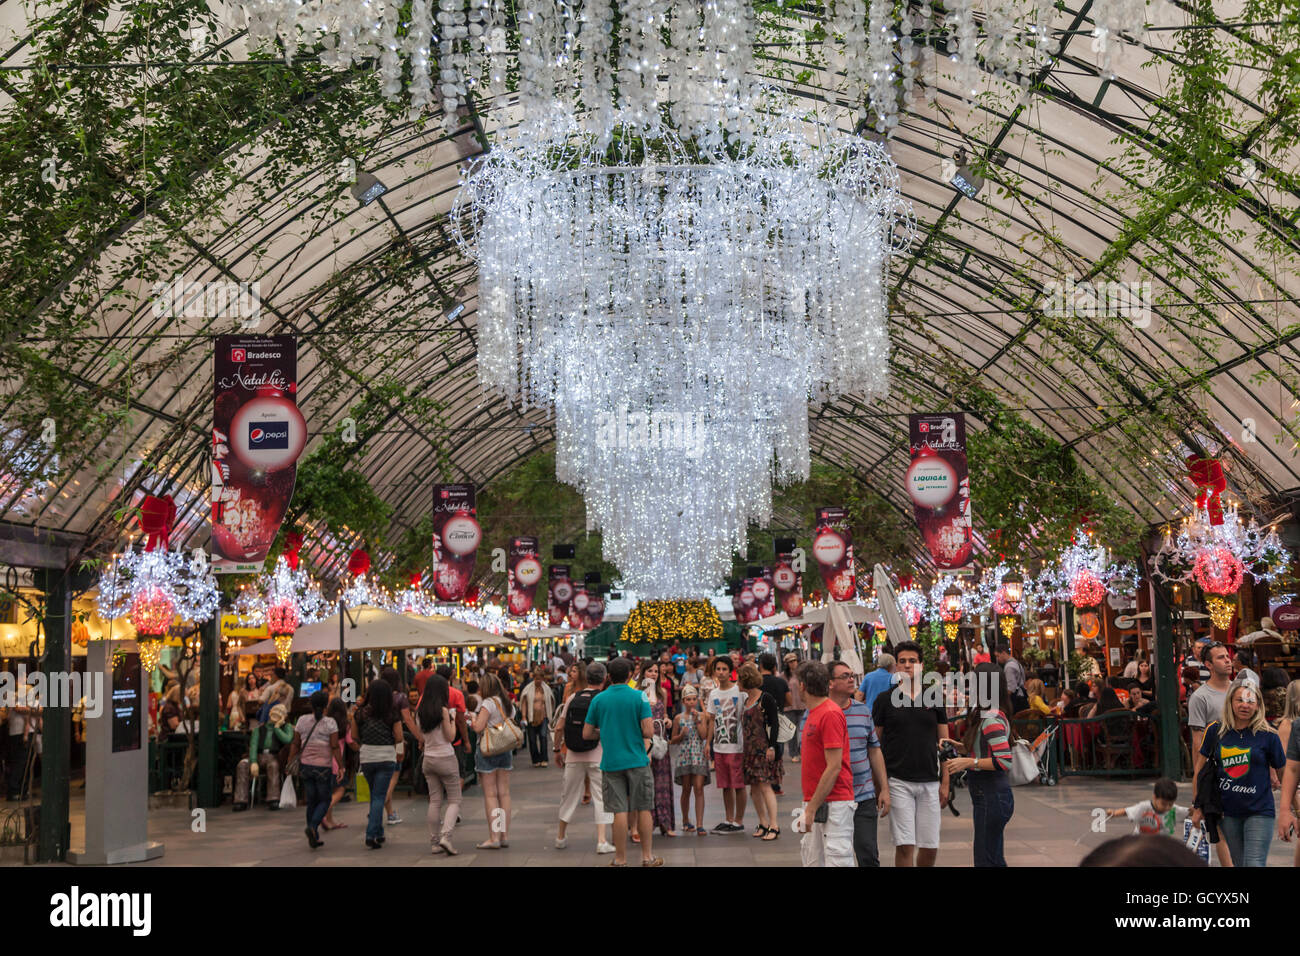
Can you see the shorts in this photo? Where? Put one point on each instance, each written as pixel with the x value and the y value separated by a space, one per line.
pixel 914 813
pixel 486 764
pixel 628 791
pixel 730 771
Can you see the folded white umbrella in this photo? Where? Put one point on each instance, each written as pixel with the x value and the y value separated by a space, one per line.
pixel 895 625
pixel 843 633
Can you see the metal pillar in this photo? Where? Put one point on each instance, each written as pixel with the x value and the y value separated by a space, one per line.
pixel 209 794
pixel 1171 764
pixel 1069 631
pixel 56 721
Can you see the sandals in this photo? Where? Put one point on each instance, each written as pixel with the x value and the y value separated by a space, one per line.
pixel 771 834
pixel 653 861
pixel 759 831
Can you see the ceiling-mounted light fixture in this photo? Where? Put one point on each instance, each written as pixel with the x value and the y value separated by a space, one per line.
pixel 367 188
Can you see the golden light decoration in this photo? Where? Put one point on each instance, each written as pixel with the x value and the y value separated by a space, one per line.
pixel 950 629
pixel 1221 611
pixel 1008 624
pixel 283 647
pixel 911 630
pixel 665 621
pixel 150 652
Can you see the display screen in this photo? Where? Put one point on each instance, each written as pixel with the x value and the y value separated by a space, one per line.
pixel 308 687
pixel 127 710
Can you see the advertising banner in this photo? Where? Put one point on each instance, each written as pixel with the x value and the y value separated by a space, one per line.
pixel 833 550
pixel 523 574
pixel 257 435
pixel 765 595
pixel 558 595
pixel 939 485
pixel 586 608
pixel 456 537
pixel 787 585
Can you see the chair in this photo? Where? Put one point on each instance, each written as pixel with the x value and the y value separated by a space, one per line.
pixel 1116 741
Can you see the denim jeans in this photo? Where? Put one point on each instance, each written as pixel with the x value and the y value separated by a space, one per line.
pixel 1248 838
pixel 865 847
pixel 317 787
pixel 377 776
pixel 537 737
pixel 993 805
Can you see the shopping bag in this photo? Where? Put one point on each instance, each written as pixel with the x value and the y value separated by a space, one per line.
pixel 288 796
pixel 1197 839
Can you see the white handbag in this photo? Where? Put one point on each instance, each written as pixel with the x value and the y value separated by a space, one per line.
pixel 785 729
pixel 1024 768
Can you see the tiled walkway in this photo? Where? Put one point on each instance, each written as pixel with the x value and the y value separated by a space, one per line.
pixel 1051 827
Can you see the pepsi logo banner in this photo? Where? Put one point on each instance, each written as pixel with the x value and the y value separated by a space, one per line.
pixel 456 537
pixel 938 483
pixel 258 434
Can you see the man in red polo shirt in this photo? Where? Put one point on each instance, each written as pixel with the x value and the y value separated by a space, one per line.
pixel 827 775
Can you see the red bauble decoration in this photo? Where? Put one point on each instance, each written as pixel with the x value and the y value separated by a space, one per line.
pixel 1086 589
pixel 282 618
pixel 359 562
pixel 1218 571
pixel 152 611
pixel 416 578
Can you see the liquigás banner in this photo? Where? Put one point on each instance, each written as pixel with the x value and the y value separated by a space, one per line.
pixel 833 550
pixel 456 537
pixel 257 435
pixel 558 595
pixel 939 485
pixel 787 585
pixel 523 574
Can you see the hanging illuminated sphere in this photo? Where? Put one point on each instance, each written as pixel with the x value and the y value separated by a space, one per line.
pixel 1007 623
pixel 150 652
pixel 1086 589
pixel 1219 573
pixel 282 618
pixel 152 611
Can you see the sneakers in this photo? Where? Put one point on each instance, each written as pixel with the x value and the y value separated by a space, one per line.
pixel 561 842
pixel 727 827
pixel 394 819
pixel 604 848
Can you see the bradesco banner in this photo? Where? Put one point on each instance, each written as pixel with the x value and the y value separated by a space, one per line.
pixel 586 609
pixel 787 585
pixel 558 595
pixel 456 537
pixel 939 485
pixel 833 550
pixel 595 613
pixel 523 574
pixel 257 435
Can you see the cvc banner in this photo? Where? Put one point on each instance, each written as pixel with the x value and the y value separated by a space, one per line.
pixel 559 594
pixel 939 485
pixel 833 549
pixel 456 537
pixel 257 435
pixel 787 585
pixel 523 574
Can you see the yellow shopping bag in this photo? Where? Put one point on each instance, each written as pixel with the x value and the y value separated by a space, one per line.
pixel 363 789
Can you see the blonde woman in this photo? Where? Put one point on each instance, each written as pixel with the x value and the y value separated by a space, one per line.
pixel 1246 747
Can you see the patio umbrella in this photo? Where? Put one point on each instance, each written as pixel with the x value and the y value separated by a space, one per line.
pixel 839 626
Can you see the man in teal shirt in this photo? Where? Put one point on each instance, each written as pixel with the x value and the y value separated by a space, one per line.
pixel 619 717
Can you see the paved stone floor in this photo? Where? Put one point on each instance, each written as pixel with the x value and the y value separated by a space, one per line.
pixel 1051 827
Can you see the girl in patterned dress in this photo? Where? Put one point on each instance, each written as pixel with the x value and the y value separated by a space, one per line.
pixel 691 731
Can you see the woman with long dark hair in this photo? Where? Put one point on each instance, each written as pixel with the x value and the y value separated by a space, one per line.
pixel 440 767
pixel 376 728
pixel 494 772
pixel 345 764
pixel 402 705
pixel 988 741
pixel 317 737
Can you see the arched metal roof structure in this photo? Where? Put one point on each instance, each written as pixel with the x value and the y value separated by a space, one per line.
pixel 1220 370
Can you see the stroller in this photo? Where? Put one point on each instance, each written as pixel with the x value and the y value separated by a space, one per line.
pixel 1043 746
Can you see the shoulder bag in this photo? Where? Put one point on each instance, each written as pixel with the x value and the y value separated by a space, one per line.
pixel 296 763
pixel 500 738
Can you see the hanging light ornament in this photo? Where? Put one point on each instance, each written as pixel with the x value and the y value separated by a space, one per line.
pixel 951 610
pixel 412 599
pixel 360 593
pixel 290 598
pixel 155 586
pixel 1219 573
pixel 1084 573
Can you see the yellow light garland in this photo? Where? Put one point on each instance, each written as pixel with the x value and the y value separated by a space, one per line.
pixel 665 621
pixel 150 652
pixel 1008 624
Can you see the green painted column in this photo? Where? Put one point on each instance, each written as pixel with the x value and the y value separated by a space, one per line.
pixel 209 794
pixel 1069 632
pixel 56 736
pixel 1171 764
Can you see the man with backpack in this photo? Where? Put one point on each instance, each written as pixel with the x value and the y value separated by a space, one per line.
pixel 581 760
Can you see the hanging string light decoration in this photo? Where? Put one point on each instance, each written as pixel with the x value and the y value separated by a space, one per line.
pixel 662 622
pixel 951 607
pixel 290 598
pixel 1219 572
pixel 412 599
pixel 154 587
pixel 360 592
pixel 1084 573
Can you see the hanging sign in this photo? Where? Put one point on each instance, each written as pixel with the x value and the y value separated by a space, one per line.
pixel 833 550
pixel 938 483
pixel 559 594
pixel 787 585
pixel 257 435
pixel 456 537
pixel 765 595
pixel 523 574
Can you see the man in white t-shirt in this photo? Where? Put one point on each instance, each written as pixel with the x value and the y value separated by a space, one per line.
pixel 726 704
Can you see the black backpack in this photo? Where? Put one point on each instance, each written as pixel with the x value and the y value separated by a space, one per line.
pixel 574 718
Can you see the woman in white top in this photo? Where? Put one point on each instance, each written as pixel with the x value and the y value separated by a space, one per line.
pixel 494 772
pixel 440 766
pixel 317 737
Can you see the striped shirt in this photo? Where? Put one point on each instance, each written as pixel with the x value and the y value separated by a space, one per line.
pixel 994 742
pixel 862 736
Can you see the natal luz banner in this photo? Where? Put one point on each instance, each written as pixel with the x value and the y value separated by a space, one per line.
pixel 523 574
pixel 456 537
pixel 257 435
pixel 939 486
pixel 558 595
pixel 748 601
pixel 787 585
pixel 833 549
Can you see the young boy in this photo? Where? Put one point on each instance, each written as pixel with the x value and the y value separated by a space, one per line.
pixel 1161 814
